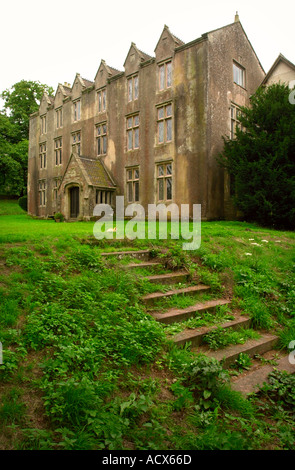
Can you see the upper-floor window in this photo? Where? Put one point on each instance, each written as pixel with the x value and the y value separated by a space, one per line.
pixel 43 124
pixel 164 123
pixel 58 151
pixel 132 126
pixel 239 74
pixel 132 178
pixel 77 110
pixel 101 139
pixel 58 118
pixel 76 141
pixel 42 155
pixel 165 75
pixel 164 181
pixel 132 85
pixel 235 112
pixel 102 100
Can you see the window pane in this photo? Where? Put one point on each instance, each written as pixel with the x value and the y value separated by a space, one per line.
pixel 129 136
pixel 160 113
pixel 136 120
pixel 129 190
pixel 161 77
pixel 160 170
pixel 169 110
pixel 169 129
pixel 129 123
pixel 136 174
pixel 104 96
pixel 130 89
pixel 104 129
pixel 160 132
pixel 98 147
pixel 161 189
pixel 169 188
pixel 104 140
pixel 98 130
pixel 136 138
pixel 135 88
pixel 169 74
pixel 136 191
pixel 169 169
pixel 99 101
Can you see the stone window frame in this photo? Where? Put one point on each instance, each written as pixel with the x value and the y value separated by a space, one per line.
pixel 77 142
pixel 101 138
pixel 59 118
pixel 56 182
pixel 77 110
pixel 43 120
pixel 165 75
pixel 43 155
pixel 102 100
pixel 132 132
pixel 58 151
pixel 42 192
pixel 133 88
pixel 164 123
pixel 132 183
pixel 239 74
pixel 235 111
pixel 103 196
pixel 164 173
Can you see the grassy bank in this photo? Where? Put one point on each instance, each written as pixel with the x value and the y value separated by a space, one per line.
pixel 85 366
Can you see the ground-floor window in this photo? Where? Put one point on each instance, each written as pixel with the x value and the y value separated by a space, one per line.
pixel 104 197
pixel 42 193
pixel 132 179
pixel 164 181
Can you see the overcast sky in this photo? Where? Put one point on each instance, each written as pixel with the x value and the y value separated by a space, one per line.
pixel 51 41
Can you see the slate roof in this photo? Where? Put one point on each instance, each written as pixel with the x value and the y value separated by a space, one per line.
pixel 97 173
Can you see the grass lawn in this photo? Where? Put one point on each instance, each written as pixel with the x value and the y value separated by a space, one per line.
pixel 85 366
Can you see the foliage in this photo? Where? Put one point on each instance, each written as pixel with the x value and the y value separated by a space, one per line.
pixel 260 159
pixel 23 202
pixel 19 103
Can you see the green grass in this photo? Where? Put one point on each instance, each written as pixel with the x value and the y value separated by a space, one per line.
pixel 10 207
pixel 86 367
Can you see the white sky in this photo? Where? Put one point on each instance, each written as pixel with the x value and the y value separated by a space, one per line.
pixel 51 41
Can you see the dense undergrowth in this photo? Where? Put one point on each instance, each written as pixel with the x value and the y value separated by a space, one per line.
pixel 86 367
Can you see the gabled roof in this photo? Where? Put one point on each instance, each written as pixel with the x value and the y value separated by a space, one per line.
pixel 142 55
pixel 111 71
pixel 178 42
pixel 93 170
pixel 279 59
pixel 97 172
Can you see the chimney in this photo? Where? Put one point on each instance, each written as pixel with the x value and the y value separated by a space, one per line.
pixel 237 17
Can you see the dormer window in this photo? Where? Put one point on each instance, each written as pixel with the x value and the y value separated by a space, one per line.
pixel 102 100
pixel 77 110
pixel 132 86
pixel 58 118
pixel 165 75
pixel 43 124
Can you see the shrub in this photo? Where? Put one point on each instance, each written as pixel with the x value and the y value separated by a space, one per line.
pixel 23 202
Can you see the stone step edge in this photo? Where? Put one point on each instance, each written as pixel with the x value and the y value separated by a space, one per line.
pixel 175 314
pixel 185 290
pixel 126 253
pixel 196 336
pixel 229 354
pixel 167 276
pixel 145 264
pixel 251 382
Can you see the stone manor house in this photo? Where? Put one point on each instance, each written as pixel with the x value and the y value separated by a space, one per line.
pixel 150 132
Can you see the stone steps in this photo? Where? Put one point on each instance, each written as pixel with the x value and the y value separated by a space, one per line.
pixel 169 278
pixel 139 254
pixel 251 381
pixel 196 336
pixel 176 315
pixel 143 265
pixel 149 299
pixel 229 354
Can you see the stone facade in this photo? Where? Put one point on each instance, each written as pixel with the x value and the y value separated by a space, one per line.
pixel 151 132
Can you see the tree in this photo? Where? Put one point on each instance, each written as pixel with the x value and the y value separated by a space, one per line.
pixel 261 158
pixel 22 100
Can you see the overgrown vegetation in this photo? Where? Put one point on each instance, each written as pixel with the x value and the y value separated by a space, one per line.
pixel 85 366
